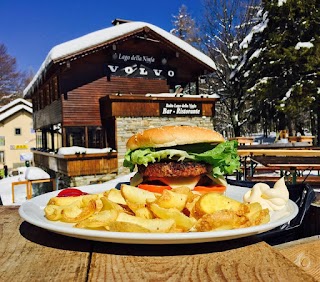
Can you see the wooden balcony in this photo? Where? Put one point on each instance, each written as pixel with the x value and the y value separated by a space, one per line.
pixel 78 164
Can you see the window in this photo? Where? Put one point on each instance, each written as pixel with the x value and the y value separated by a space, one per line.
pixel 95 137
pixel 75 136
pixel 2 157
pixel 91 137
pixel 17 131
pixel 2 140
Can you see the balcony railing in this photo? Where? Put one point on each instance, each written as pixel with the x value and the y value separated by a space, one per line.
pixel 78 164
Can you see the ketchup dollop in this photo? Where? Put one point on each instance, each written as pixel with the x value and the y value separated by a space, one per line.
pixel 71 192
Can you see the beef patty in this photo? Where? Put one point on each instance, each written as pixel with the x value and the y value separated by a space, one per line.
pixel 174 169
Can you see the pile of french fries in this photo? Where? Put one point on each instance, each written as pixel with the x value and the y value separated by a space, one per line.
pixel 132 209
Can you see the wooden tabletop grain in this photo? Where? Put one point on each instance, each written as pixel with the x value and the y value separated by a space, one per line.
pixel 30 253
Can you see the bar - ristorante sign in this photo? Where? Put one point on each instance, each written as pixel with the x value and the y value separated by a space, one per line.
pixel 180 109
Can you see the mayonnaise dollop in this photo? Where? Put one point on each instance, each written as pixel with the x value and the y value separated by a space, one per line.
pixel 274 199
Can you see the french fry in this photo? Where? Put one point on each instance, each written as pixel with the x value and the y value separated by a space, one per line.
pixel 115 196
pixel 123 226
pixel 170 199
pixel 257 215
pixel 98 220
pixel 221 220
pixel 53 212
pixel 109 205
pixel 76 213
pixel 213 202
pixel 182 221
pixel 131 209
pixel 153 225
pixel 64 201
pixel 144 213
pixel 136 195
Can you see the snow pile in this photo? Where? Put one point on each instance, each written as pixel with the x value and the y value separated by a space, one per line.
pixel 300 45
pixel 82 150
pixel 31 173
pixel 170 95
pixel 281 2
pixel 35 173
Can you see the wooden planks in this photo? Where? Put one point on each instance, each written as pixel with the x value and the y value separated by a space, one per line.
pixel 29 253
pixel 251 263
pixel 82 104
pixel 305 253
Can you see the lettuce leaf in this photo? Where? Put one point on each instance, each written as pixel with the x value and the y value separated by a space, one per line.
pixel 148 155
pixel 223 158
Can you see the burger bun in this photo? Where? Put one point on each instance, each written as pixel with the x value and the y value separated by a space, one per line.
pixel 168 136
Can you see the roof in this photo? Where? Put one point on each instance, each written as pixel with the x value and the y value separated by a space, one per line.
pixel 102 36
pixel 14 107
pixel 15 102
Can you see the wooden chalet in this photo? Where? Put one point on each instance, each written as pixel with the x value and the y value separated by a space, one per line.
pixel 131 69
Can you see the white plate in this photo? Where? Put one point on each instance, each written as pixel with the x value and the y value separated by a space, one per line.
pixel 32 212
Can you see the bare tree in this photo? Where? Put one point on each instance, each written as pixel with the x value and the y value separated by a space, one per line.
pixel 185 27
pixel 12 81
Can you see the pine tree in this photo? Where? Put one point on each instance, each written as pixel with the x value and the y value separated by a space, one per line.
pixel 225 25
pixel 281 64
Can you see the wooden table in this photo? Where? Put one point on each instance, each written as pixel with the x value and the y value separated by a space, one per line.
pixel 303 152
pixel 308 139
pixel 243 140
pixel 29 183
pixel 29 253
pixel 287 159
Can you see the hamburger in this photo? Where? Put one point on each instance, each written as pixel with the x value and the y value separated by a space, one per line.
pixel 173 156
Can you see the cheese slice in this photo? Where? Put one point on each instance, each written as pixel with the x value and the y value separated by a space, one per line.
pixel 220 180
pixel 136 179
pixel 175 182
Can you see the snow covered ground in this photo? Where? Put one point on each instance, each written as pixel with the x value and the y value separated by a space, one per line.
pixel 5 191
pixel 20 191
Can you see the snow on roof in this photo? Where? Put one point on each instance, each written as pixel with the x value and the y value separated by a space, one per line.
pixel 15 102
pixel 14 110
pixel 170 95
pixel 104 35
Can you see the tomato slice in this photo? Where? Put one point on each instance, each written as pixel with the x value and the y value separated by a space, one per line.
pixel 71 192
pixel 207 189
pixel 154 188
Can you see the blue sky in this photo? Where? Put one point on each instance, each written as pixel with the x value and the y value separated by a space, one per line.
pixel 29 29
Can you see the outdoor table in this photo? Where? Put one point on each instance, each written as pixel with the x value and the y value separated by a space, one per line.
pixel 286 159
pixel 243 140
pixel 30 253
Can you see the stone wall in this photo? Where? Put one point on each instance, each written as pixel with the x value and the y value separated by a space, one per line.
pixel 127 126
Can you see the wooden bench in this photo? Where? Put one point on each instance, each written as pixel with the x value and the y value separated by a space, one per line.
pixel 29 183
pixel 313 181
pixel 243 140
